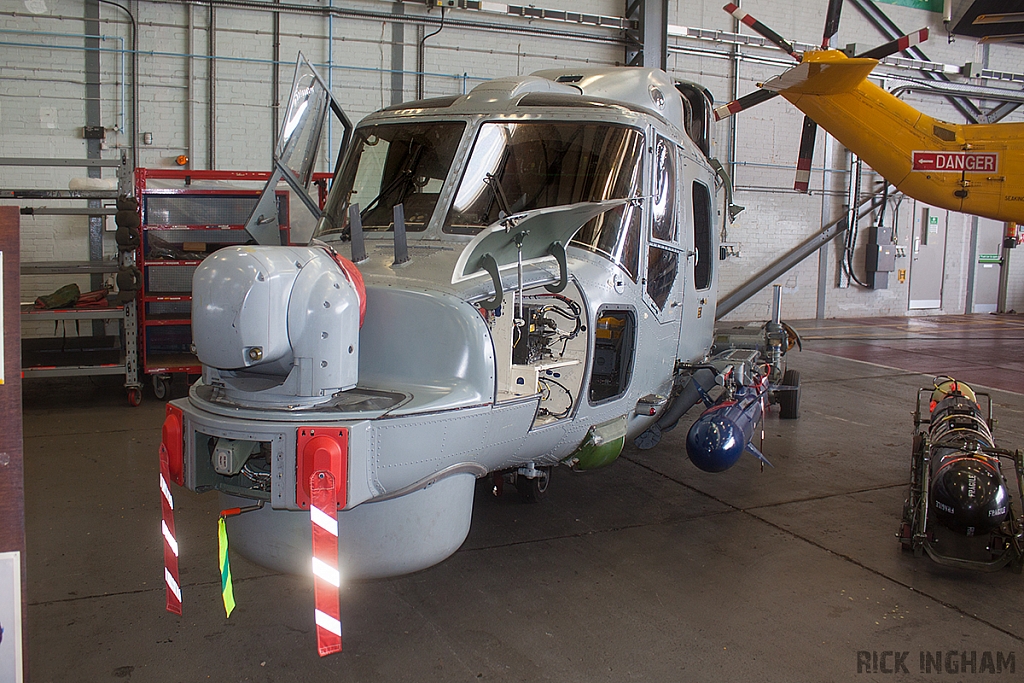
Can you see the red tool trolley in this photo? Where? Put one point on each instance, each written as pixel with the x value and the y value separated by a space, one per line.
pixel 186 216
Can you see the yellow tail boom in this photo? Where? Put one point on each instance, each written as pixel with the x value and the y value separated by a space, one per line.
pixel 974 168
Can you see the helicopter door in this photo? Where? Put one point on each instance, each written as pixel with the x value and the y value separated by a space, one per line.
pixel 295 155
pixel 664 279
pixel 698 228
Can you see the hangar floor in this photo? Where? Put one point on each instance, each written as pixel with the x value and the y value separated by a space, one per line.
pixel 647 570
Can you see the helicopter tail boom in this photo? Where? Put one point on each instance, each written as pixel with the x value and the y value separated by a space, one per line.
pixel 823 73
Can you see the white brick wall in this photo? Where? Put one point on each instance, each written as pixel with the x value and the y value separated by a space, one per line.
pixel 42 111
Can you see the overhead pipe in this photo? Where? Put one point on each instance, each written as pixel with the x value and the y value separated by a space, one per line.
pixel 959 90
pixel 330 84
pixel 135 79
pixel 211 128
pixel 734 68
pixel 246 60
pixel 718 37
pixel 121 114
pixel 827 209
pixel 421 58
pixel 342 12
pixel 93 148
pixel 994 94
pixel 275 86
pixel 190 96
pixel 462 78
pixel 922 65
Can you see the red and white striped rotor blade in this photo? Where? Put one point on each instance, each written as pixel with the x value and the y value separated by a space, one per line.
pixel 835 9
pixel 898 45
pixel 803 166
pixel 762 30
pixel 746 102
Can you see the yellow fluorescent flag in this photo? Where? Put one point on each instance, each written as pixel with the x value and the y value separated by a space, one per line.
pixel 225 567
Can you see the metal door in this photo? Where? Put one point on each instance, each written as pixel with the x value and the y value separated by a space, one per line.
pixel 698 241
pixel 988 250
pixel 927 257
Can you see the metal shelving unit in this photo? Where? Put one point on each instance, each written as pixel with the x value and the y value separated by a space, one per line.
pixel 206 209
pixel 88 355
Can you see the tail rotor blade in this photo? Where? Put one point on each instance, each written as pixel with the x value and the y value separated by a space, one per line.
pixel 803 166
pixel 745 102
pixel 762 30
pixel 898 45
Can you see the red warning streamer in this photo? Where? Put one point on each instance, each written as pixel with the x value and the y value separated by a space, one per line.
pixel 170 540
pixel 323 512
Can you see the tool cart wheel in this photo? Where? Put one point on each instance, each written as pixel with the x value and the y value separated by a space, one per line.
pixel 906 536
pixel 161 386
pixel 135 397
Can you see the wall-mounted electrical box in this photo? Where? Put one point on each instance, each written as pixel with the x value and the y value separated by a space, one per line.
pixel 880 258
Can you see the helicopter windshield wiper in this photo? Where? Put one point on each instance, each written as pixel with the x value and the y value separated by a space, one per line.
pixel 403 180
pixel 492 182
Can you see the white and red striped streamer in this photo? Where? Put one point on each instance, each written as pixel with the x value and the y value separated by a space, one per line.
pixel 323 513
pixel 171 577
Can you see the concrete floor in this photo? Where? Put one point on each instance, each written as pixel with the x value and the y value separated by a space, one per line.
pixel 647 570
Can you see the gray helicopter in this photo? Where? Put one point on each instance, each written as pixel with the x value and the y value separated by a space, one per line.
pixel 500 283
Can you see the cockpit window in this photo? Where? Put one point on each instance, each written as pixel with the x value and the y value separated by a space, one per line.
pixel 395 163
pixel 518 166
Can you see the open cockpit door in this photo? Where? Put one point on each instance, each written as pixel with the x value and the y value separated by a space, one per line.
pixel 297 146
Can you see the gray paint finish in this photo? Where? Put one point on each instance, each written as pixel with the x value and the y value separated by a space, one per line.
pixel 467 403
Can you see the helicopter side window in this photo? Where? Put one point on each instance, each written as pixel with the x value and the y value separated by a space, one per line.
pixel 613 354
pixel 662 269
pixel 662 263
pixel 390 164
pixel 701 236
pixel 663 205
pixel 520 166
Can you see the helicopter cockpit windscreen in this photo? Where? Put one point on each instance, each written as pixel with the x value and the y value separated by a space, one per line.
pixel 390 164
pixel 517 166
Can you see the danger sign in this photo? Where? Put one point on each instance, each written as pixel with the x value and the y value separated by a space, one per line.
pixel 976 162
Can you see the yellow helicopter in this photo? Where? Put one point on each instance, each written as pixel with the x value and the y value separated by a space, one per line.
pixel 972 168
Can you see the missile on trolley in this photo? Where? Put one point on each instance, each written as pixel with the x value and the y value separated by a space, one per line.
pixel 724 431
pixel 967 489
pixel 958 487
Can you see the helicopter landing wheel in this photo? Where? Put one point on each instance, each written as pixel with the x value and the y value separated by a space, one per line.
pixel 534 490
